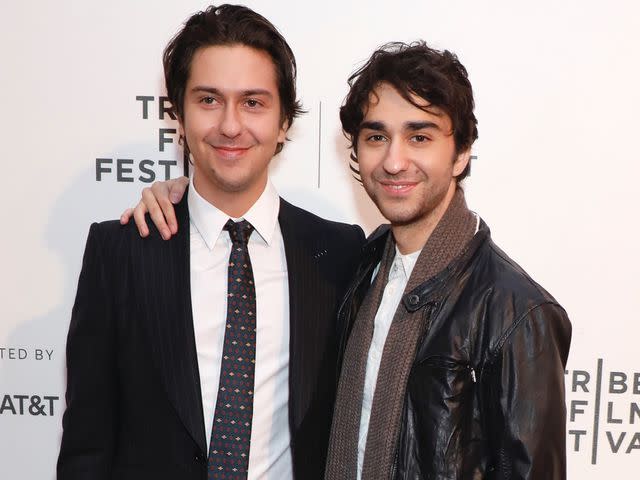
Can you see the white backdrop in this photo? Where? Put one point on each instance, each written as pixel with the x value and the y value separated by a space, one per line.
pixel 556 85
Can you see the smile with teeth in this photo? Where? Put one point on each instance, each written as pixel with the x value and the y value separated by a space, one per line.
pixel 398 188
pixel 229 151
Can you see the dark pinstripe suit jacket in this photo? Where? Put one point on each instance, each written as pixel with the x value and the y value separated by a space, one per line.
pixel 134 408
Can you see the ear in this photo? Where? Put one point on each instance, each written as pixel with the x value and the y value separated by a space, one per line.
pixel 282 133
pixel 180 126
pixel 461 161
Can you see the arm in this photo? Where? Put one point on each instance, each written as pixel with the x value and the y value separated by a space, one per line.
pixel 158 201
pixel 526 403
pixel 89 422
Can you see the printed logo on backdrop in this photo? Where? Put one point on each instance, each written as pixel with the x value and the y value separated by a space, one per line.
pixel 22 403
pixel 28 404
pixel 603 411
pixel 125 168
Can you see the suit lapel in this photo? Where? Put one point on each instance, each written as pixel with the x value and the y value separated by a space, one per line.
pixel 299 247
pixel 170 323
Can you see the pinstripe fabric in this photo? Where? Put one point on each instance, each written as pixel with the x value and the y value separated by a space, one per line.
pixel 133 392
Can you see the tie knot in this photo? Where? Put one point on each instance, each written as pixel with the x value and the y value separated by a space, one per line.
pixel 239 231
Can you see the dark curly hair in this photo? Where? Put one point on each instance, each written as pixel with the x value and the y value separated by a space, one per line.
pixel 230 25
pixel 413 69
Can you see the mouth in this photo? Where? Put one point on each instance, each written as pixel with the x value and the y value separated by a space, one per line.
pixel 398 188
pixel 230 153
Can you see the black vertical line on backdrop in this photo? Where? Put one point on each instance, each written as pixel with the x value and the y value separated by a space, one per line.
pixel 319 137
pixel 596 414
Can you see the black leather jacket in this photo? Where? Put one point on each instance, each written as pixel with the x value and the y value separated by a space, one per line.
pixel 485 397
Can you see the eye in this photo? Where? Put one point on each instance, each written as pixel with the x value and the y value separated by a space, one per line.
pixel 376 137
pixel 252 103
pixel 208 100
pixel 420 138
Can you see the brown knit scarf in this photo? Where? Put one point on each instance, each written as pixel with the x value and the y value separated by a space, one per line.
pixel 447 242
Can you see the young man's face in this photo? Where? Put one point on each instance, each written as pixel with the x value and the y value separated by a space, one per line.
pixel 407 157
pixel 232 123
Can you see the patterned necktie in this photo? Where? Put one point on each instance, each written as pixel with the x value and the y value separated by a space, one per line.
pixel 231 434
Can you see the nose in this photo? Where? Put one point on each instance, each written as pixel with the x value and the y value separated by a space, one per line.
pixel 396 159
pixel 230 125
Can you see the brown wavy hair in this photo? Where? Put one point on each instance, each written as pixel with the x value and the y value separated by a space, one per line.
pixel 413 69
pixel 230 25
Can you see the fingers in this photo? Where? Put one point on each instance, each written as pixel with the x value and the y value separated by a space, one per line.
pixel 177 188
pixel 126 216
pixel 158 202
pixel 138 217
pixel 167 194
pixel 155 200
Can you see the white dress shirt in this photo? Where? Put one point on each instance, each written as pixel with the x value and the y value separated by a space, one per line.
pixel 398 277
pixel 270 453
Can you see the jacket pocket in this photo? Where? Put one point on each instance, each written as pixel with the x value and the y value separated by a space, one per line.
pixel 445 416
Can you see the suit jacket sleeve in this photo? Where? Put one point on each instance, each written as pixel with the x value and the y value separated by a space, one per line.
pixel 89 421
pixel 528 403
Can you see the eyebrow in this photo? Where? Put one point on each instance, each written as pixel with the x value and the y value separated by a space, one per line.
pixel 372 125
pixel 411 126
pixel 245 93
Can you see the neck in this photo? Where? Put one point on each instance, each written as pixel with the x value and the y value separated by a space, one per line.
pixel 232 202
pixel 411 237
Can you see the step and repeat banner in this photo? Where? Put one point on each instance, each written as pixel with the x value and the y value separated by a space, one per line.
pixel 85 127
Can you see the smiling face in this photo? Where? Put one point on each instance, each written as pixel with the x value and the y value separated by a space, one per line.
pixel 407 159
pixel 232 124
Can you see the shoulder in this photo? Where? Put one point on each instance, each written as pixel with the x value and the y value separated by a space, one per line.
pixel 515 302
pixel 112 239
pixel 490 269
pixel 108 233
pixel 111 231
pixel 506 276
pixel 307 223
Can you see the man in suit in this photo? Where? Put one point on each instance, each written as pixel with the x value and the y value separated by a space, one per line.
pixel 213 354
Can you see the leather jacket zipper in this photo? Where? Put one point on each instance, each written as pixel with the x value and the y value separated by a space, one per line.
pixel 443 362
pixel 429 307
pixel 394 467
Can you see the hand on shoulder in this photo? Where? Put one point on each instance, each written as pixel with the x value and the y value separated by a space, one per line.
pixel 158 201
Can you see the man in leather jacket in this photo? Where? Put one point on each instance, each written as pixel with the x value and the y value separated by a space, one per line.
pixel 452 356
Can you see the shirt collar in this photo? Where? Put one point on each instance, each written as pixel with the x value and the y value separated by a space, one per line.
pixel 209 220
pixel 407 261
